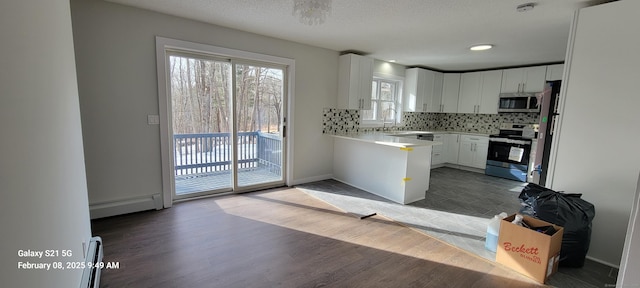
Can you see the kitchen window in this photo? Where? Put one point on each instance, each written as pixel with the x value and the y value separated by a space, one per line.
pixel 385 102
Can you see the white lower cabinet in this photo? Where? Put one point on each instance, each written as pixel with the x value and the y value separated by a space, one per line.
pixel 473 151
pixel 460 149
pixel 438 152
pixel 453 148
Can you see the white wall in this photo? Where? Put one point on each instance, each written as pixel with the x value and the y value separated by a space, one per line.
pixel 597 147
pixel 387 68
pixel 42 172
pixel 115 55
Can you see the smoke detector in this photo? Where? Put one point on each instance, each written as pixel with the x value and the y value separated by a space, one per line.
pixel 525 7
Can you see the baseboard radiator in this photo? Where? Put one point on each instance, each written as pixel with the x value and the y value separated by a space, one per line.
pixel 91 273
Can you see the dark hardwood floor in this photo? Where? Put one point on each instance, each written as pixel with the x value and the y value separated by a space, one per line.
pixel 282 238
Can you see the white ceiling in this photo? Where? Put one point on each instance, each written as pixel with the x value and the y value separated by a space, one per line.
pixel 429 33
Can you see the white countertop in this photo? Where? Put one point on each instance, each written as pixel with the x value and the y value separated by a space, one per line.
pixel 458 132
pixel 387 138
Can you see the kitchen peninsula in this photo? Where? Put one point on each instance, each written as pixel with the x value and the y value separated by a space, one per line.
pixel 396 168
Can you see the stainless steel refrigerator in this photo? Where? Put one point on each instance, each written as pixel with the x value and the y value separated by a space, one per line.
pixel 548 118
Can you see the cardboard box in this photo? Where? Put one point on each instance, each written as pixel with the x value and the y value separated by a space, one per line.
pixel 532 253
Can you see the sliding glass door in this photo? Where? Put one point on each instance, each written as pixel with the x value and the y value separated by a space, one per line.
pixel 227 123
pixel 258 107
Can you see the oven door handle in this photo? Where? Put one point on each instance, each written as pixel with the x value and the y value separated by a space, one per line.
pixel 510 141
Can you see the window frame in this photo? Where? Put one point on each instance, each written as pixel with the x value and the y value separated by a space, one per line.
pixel 399 82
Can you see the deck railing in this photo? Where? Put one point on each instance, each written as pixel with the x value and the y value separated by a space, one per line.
pixel 210 152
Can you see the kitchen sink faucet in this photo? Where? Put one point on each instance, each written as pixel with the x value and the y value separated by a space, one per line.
pixel 384 118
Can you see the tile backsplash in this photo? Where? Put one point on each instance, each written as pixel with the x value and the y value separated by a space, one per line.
pixel 342 121
pixel 481 123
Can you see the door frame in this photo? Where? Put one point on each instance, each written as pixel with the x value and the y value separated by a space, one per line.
pixel 166 145
pixel 234 125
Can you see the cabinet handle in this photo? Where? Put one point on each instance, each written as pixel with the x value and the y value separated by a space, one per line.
pixel 523 85
pixel 441 107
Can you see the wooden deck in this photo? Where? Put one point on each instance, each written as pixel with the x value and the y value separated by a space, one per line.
pixel 194 183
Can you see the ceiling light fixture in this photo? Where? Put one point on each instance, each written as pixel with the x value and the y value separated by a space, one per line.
pixel 525 7
pixel 481 47
pixel 392 61
pixel 311 12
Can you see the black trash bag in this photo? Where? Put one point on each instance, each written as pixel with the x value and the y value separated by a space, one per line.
pixel 566 210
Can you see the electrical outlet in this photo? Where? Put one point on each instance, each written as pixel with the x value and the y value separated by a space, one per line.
pixel 153 119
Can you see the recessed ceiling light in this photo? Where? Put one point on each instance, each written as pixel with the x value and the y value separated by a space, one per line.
pixel 392 61
pixel 481 47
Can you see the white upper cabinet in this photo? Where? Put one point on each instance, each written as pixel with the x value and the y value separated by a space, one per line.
pixel 423 90
pixel 414 89
pixel 479 92
pixel 450 92
pixel 554 72
pixel 529 79
pixel 355 76
pixel 490 92
pixel 434 101
pixel 470 84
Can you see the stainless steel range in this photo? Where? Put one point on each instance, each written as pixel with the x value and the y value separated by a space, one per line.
pixel 511 152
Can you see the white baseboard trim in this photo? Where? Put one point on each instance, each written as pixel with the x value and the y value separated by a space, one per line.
pixel 437 165
pixel 310 179
pixel 125 206
pixel 466 168
pixel 617 266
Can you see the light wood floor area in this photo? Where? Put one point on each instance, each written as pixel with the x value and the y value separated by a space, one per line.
pixel 282 238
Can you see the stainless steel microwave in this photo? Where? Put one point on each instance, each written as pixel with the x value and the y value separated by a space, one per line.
pixel 518 102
